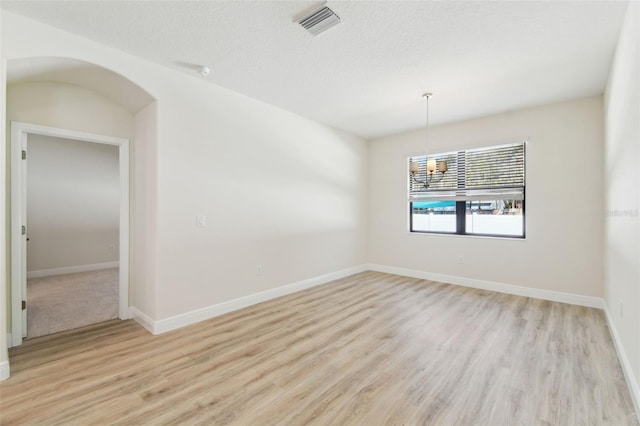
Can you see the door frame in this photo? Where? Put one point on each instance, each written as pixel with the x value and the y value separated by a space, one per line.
pixel 19 132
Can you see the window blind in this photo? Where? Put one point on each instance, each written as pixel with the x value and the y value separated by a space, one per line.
pixel 496 172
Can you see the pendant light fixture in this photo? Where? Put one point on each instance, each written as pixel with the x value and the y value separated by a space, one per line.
pixel 430 175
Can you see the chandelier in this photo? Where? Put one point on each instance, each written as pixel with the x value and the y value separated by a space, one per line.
pixel 430 175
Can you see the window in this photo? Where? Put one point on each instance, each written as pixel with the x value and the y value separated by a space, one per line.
pixel 482 193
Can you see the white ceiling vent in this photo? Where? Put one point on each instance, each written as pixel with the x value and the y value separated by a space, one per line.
pixel 320 21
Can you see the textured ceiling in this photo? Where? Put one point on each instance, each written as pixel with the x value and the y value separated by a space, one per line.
pixel 367 74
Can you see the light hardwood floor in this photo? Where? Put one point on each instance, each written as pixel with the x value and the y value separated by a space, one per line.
pixel 370 349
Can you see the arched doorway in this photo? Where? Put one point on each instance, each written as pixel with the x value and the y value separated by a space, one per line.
pixel 55 115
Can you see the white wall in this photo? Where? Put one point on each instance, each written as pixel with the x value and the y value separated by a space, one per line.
pixel 4 234
pixel 73 199
pixel 67 106
pixel 277 189
pixel 144 201
pixel 622 203
pixel 564 219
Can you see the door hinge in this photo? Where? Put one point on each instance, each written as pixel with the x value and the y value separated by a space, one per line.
pixel 24 305
pixel 24 230
pixel 24 154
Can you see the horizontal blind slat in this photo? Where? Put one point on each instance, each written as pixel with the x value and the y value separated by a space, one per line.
pixel 470 195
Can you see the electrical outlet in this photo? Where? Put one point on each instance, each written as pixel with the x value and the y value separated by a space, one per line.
pixel 111 248
pixel 460 260
pixel 258 270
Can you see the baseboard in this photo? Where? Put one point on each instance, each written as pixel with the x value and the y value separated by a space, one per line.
pixel 632 383
pixel 71 269
pixel 142 319
pixel 193 317
pixel 554 296
pixel 188 318
pixel 4 370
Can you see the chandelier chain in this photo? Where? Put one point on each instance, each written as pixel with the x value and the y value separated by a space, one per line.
pixel 426 133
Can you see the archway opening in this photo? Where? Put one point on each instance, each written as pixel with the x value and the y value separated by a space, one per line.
pixel 83 99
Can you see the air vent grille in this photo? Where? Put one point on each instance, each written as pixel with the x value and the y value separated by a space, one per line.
pixel 320 21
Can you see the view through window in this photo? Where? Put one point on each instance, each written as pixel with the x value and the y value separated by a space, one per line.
pixel 485 195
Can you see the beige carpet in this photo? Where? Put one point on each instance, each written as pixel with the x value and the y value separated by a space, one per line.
pixel 64 302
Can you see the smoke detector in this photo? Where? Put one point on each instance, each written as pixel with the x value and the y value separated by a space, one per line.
pixel 319 21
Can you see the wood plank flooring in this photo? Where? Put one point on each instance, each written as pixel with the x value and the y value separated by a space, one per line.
pixel 370 349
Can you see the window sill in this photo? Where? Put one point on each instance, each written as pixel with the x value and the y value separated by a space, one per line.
pixel 486 237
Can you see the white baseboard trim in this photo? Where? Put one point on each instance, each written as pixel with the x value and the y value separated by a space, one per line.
pixel 198 315
pixel 632 383
pixel 71 269
pixel 554 296
pixel 142 319
pixel 4 370
pixel 188 318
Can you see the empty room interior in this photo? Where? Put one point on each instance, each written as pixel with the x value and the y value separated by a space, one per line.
pixel 327 213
